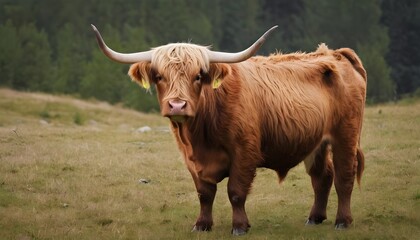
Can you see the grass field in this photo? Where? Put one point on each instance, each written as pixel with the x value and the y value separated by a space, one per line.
pixel 71 169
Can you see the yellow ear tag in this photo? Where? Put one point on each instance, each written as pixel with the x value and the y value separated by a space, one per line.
pixel 217 83
pixel 145 84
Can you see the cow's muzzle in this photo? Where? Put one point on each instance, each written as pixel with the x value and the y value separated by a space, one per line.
pixel 177 107
pixel 177 110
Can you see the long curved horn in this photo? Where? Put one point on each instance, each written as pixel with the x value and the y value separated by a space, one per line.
pixel 223 57
pixel 121 57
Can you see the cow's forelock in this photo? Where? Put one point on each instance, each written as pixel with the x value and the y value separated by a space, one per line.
pixel 178 86
pixel 180 57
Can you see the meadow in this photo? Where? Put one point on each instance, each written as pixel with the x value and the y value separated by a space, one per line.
pixel 73 169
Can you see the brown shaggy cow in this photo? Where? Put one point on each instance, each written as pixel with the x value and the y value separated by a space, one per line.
pixel 232 113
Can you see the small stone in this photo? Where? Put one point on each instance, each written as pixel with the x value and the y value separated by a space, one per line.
pixel 65 205
pixel 144 180
pixel 43 122
pixel 144 129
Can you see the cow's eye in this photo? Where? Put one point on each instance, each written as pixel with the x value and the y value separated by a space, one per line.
pixel 198 77
pixel 158 78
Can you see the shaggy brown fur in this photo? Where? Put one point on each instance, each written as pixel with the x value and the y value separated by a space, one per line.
pixel 272 112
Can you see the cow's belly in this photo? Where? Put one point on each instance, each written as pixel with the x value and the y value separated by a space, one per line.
pixel 284 157
pixel 290 141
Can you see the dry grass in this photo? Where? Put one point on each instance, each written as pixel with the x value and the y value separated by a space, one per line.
pixel 70 169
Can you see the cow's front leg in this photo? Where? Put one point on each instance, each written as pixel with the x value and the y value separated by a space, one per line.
pixel 239 185
pixel 206 192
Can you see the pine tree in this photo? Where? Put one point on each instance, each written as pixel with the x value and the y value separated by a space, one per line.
pixel 70 60
pixel 286 15
pixel 10 54
pixel 34 70
pixel 239 28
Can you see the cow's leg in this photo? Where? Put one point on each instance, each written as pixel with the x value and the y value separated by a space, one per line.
pixel 241 177
pixel 206 192
pixel 319 167
pixel 345 167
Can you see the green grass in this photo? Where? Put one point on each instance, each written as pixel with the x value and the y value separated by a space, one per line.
pixel 70 170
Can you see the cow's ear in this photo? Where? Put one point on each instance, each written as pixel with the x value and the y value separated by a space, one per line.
pixel 217 72
pixel 141 73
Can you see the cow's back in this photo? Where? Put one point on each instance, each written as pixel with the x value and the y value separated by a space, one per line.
pixel 298 100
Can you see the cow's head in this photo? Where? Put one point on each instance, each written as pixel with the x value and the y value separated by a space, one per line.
pixel 179 71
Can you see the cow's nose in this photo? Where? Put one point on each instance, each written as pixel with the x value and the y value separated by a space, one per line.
pixel 177 106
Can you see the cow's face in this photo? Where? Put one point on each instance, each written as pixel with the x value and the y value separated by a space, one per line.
pixel 179 72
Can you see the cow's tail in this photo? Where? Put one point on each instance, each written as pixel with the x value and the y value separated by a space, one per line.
pixel 360 165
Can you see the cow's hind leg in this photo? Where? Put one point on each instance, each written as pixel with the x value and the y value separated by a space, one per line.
pixel 206 193
pixel 319 167
pixel 346 159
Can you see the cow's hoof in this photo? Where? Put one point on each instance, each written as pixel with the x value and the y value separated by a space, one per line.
pixel 341 226
pixel 315 220
pixel 201 229
pixel 312 222
pixel 239 232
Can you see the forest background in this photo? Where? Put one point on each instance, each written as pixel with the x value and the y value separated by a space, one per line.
pixel 49 46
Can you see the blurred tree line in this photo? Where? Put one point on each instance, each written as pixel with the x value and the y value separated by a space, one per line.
pixel 48 45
